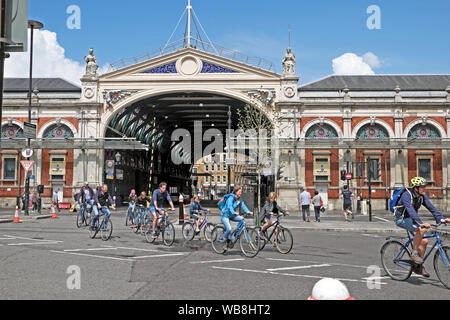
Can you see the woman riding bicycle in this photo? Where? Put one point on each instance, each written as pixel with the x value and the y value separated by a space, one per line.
pixel 232 202
pixel 141 203
pixel 194 210
pixel 270 208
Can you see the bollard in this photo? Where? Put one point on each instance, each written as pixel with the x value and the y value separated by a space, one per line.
pixel 181 210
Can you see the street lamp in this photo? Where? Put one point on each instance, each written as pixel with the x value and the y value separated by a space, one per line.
pixel 33 25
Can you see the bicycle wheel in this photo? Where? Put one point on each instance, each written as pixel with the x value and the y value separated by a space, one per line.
pixel 168 235
pixel 396 260
pixel 149 235
pixel 262 241
pixel 128 219
pixel 80 220
pixel 249 242
pixel 106 229
pixel 442 265
pixel 93 232
pixel 144 226
pixel 218 243
pixel 88 218
pixel 284 240
pixel 188 231
pixel 207 230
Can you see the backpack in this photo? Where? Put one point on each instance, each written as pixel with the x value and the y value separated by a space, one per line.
pixel 396 195
pixel 222 201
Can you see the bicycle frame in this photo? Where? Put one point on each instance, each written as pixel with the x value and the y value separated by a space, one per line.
pixel 275 225
pixel 438 243
pixel 237 232
pixel 100 214
pixel 139 216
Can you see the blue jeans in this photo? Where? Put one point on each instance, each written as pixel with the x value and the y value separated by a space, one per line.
pixel 141 215
pixel 226 223
pixel 105 210
pixel 131 206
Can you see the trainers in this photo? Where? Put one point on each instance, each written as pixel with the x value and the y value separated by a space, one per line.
pixel 416 259
pixel 425 273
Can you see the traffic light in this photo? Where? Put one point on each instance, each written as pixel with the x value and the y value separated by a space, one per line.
pixel 359 170
pixel 343 174
pixel 280 172
pixel 374 166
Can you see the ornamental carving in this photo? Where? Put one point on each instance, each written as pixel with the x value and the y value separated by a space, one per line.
pixel 113 96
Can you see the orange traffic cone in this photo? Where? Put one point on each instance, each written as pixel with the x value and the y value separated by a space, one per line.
pixel 184 212
pixel 54 216
pixel 16 215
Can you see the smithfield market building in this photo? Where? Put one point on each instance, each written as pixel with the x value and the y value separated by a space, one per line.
pixel 117 127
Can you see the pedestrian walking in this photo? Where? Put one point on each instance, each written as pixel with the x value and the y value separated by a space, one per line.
pixel 347 197
pixel 55 200
pixel 317 203
pixel 305 203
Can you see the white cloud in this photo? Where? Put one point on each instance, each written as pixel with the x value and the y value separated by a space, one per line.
pixel 372 60
pixel 351 64
pixel 49 60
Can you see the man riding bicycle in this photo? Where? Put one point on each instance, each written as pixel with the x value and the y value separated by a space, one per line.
pixel 132 203
pixel 102 201
pixel 156 204
pixel 86 195
pixel 406 217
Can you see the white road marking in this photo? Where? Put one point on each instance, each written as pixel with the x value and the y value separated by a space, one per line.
pixel 289 274
pixel 301 267
pixel 93 256
pixel 136 249
pixel 308 261
pixel 31 239
pixel 371 235
pixel 162 255
pixel 381 219
pixel 34 243
pixel 214 261
pixel 90 249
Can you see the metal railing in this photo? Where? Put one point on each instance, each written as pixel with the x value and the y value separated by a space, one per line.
pixel 198 45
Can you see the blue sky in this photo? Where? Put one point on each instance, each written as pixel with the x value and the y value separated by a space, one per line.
pixel 414 36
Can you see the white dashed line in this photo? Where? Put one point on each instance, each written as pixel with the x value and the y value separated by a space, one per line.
pixel 301 267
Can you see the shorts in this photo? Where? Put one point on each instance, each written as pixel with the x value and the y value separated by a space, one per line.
pixel 407 223
pixel 348 207
pixel 270 218
pixel 153 211
pixel 194 216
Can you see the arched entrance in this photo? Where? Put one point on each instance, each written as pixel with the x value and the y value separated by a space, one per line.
pixel 158 121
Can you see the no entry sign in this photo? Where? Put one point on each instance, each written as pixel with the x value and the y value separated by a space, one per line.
pixel 348 176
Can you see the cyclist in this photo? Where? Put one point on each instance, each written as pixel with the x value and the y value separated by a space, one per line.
pixel 270 208
pixel 156 205
pixel 194 210
pixel 232 202
pixel 141 203
pixel 86 195
pixel 132 203
pixel 406 217
pixel 102 201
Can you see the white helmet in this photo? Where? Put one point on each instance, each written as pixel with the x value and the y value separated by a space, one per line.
pixel 330 289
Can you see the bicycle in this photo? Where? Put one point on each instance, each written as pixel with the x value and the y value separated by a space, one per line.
pixel 131 214
pixel 164 228
pixel 105 227
pixel 247 237
pixel 84 216
pixel 397 263
pixel 283 239
pixel 142 221
pixel 189 232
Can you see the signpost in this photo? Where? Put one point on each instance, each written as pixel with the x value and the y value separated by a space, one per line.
pixel 29 130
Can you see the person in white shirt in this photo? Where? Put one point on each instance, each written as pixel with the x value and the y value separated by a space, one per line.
pixel 305 203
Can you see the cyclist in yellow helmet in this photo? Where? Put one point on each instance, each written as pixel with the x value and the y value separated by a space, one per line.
pixel 406 217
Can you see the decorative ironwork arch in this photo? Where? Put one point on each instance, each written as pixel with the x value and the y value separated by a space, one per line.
pixel 424 132
pixel 372 132
pixel 12 131
pixel 321 132
pixel 58 131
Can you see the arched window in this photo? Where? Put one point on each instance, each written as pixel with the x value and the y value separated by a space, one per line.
pixel 12 131
pixel 372 132
pixel 424 132
pixel 321 132
pixel 58 131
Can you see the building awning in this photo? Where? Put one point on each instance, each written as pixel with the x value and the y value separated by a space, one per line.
pixel 83 144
